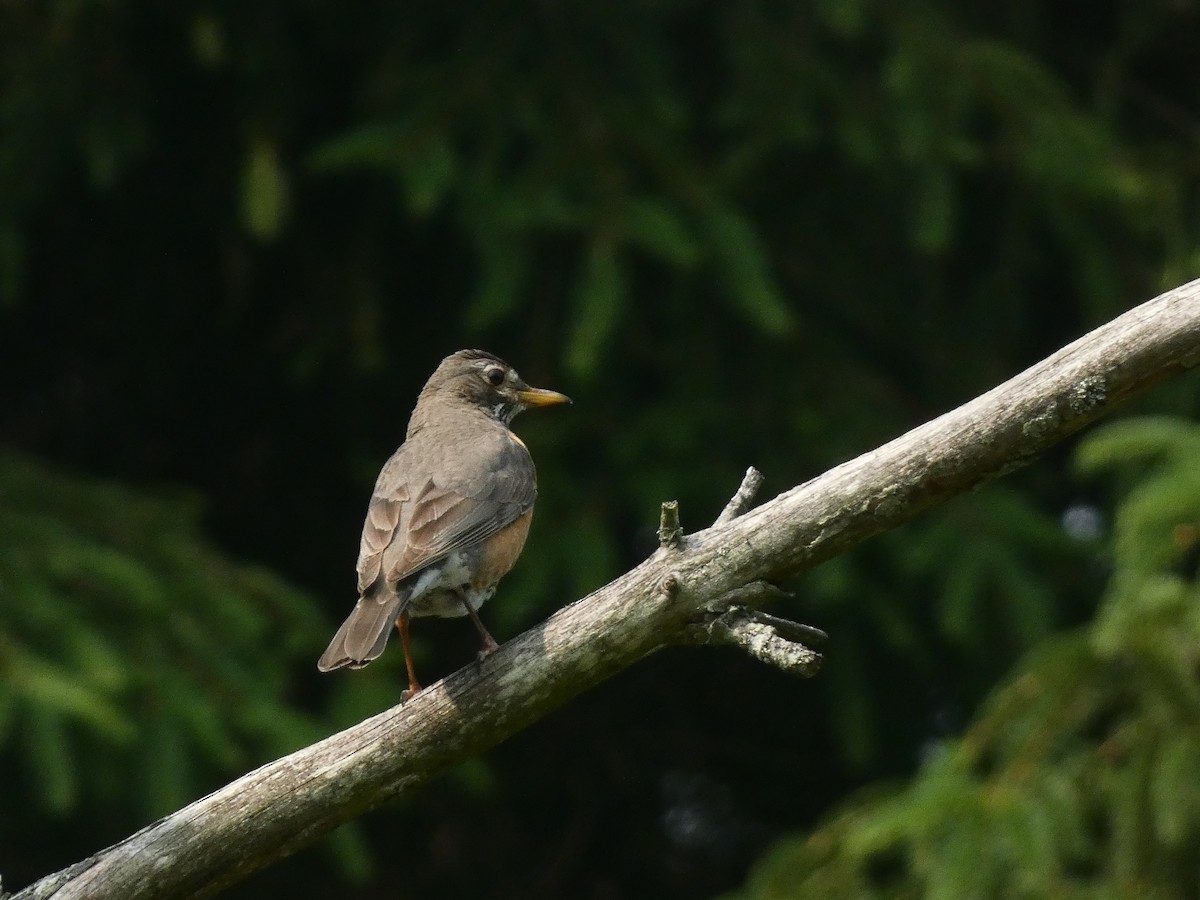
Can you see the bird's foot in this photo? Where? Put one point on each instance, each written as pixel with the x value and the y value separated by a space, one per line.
pixel 413 689
pixel 489 647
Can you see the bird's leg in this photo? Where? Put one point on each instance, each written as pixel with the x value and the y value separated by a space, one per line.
pixel 414 686
pixel 489 643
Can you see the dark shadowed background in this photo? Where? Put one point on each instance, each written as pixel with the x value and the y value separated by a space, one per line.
pixel 236 237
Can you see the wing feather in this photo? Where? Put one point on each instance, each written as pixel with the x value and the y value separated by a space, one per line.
pixel 411 525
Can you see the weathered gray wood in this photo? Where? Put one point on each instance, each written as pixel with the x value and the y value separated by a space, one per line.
pixel 743 498
pixel 286 804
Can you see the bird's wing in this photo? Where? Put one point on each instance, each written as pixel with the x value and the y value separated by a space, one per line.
pixel 415 521
pixel 383 517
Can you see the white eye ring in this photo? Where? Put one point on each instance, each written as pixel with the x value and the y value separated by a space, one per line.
pixel 494 376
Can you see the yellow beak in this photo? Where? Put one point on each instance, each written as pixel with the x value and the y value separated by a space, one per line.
pixel 541 397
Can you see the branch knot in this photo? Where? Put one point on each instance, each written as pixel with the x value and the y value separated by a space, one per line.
pixel 669 587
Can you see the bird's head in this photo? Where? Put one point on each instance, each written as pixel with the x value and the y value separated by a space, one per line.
pixel 488 383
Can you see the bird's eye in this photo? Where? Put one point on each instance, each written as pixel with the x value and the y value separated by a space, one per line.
pixel 494 376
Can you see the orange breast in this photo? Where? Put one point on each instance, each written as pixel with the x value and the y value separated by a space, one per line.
pixel 501 552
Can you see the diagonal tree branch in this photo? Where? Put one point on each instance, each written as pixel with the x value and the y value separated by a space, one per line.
pixel 688 585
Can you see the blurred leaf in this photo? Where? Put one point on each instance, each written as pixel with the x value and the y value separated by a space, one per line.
pixel 661 231
pixel 264 191
pixel 1175 788
pixel 848 689
pixel 126 641
pixel 1132 443
pixel 430 174
pixel 845 17
pixel 740 259
pixel 935 208
pixel 501 280
pixel 208 39
pixel 48 687
pixel 165 770
pixel 374 144
pixel 48 750
pixel 599 301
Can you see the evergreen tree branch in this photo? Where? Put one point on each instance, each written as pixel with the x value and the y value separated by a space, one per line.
pixel 289 803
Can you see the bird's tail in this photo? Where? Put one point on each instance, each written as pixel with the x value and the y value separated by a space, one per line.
pixel 365 632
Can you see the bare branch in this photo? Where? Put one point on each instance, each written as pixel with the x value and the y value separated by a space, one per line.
pixel 734 620
pixel 758 635
pixel 740 501
pixel 287 804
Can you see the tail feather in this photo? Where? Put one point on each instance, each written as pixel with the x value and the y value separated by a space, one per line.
pixel 365 632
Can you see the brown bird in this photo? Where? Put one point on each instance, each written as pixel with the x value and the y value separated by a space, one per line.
pixel 450 510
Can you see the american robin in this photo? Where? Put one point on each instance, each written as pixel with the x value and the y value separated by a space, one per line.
pixel 450 510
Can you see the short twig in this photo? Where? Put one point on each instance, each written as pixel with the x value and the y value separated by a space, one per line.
pixel 740 501
pixel 794 631
pixel 778 642
pixel 669 530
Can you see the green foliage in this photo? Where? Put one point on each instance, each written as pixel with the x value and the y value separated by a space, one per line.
pixel 127 644
pixel 264 191
pixel 523 134
pixel 981 570
pixel 1080 776
pixel 239 235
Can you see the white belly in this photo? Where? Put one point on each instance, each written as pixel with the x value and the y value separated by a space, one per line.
pixel 440 589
